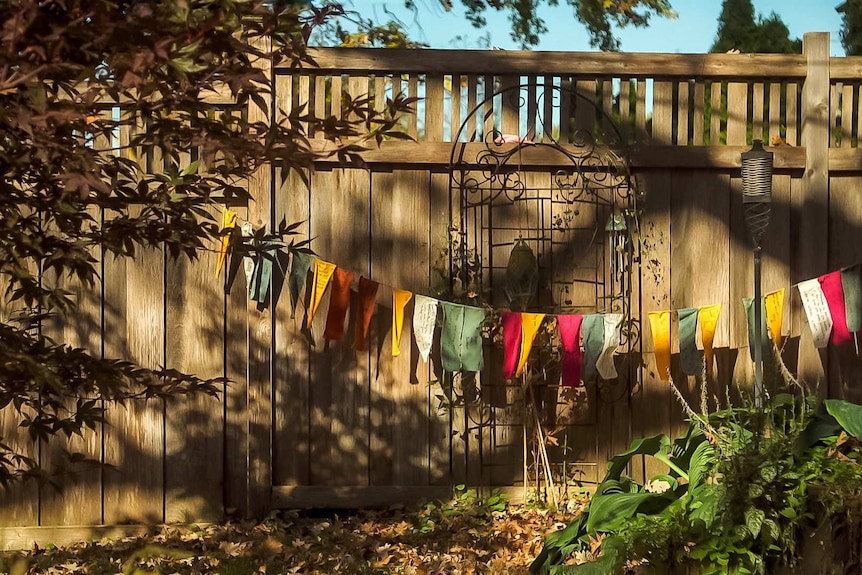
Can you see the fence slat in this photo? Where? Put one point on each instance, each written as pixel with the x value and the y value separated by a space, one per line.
pixel 682 114
pixel 400 426
pixel 662 116
pixel 434 107
pixel 699 113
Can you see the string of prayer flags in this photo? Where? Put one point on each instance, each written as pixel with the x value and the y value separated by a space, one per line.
pixel 530 324
pixel 689 356
pixel 512 334
pixel 851 281
pixel 817 311
pixel 774 303
pixel 322 274
pixel 570 336
pixel 400 299
pixel 461 337
pixel 339 301
pixel 593 329
pixel 365 309
pixel 298 273
pixel 610 343
pixel 228 222
pixel 424 321
pixel 659 322
pixel 708 318
pixel 748 302
pixel 834 293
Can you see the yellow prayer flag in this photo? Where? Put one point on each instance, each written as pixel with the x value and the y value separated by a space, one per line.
pixel 659 322
pixel 530 324
pixel 774 302
pixel 322 274
pixel 400 299
pixel 707 316
pixel 228 221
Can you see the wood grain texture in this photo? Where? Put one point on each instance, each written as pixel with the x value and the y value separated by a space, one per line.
pixel 653 403
pixel 134 304
pixel 815 137
pixel 291 376
pixel 582 63
pixel 339 394
pixel 737 113
pixel 194 440
pixel 75 496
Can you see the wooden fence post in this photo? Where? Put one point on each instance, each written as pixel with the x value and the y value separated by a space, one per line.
pixel 811 211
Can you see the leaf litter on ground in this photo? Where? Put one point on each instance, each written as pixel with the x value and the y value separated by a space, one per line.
pixel 431 540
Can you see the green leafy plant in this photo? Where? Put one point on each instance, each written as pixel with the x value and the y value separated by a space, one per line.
pixel 466 504
pixel 740 488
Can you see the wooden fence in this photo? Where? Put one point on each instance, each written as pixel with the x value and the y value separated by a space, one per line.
pixel 319 424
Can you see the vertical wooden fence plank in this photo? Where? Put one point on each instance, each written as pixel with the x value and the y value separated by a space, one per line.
pixel 455 106
pixel 441 432
pixel 134 436
pixel 662 114
pixel 566 98
pixel 699 109
pixel 811 238
pixel 757 111
pixel 77 498
pixel 291 353
pixel 194 431
pixel 625 124
pixel 413 122
pixel 641 134
pixel 399 260
pixel 653 405
pixel 20 502
pixel 682 114
pixel 774 111
pixel 434 107
pixel 715 113
pixel 792 114
pixel 737 113
pixel 340 375
pixel 846 115
pixel 585 107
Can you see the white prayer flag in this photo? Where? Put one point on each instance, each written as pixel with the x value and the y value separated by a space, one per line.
pixel 424 320
pixel 817 311
pixel 605 364
pixel 247 261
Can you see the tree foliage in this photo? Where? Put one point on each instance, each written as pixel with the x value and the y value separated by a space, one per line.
pixel 851 26
pixel 739 29
pixel 599 16
pixel 73 74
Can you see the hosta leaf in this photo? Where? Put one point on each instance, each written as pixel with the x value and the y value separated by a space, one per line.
pixel 848 415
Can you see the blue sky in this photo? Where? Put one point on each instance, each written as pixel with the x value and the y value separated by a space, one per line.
pixel 692 32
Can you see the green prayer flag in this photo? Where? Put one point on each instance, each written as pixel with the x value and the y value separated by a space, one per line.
pixel 690 358
pixel 851 281
pixel 461 337
pixel 593 332
pixel 298 273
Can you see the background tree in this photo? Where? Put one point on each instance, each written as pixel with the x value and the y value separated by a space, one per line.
pixel 739 29
pixel 851 26
pixel 64 64
pixel 599 16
